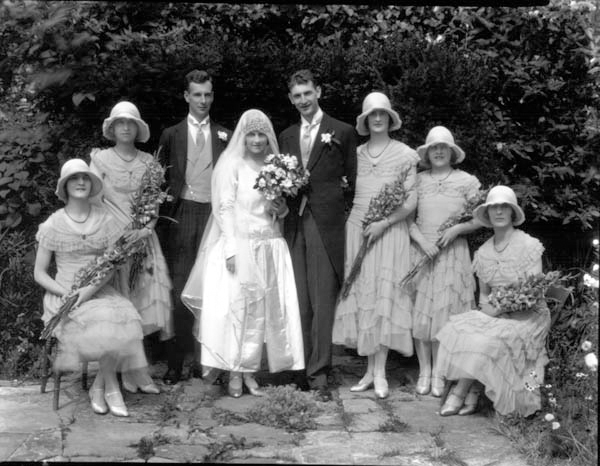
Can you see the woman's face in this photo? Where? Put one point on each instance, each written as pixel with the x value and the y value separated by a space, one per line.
pixel 440 155
pixel 378 121
pixel 256 144
pixel 78 186
pixel 125 130
pixel 500 215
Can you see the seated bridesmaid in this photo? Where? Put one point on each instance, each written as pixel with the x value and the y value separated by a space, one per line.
pixel 492 348
pixel 103 325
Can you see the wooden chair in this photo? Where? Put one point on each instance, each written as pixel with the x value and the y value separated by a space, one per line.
pixel 47 359
pixel 556 297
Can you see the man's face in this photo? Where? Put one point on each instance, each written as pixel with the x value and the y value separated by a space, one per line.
pixel 305 97
pixel 199 97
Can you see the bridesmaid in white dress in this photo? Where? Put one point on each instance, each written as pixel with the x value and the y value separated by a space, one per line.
pixel 103 325
pixel 242 288
pixel 121 168
pixel 376 314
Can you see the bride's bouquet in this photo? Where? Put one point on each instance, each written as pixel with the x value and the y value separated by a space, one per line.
pixel 281 177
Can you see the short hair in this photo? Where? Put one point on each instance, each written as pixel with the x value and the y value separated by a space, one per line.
pixel 302 77
pixel 197 76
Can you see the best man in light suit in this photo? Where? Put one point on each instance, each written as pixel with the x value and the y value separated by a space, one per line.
pixel 190 150
pixel 314 228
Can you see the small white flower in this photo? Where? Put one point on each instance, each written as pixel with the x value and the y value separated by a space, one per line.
pixel 581 375
pixel 586 345
pixel 262 183
pixel 287 183
pixel 326 138
pixel 555 425
pixel 552 401
pixel 595 242
pixel 595 267
pixel 222 135
pixel 499 146
pixel 549 417
pixel 591 360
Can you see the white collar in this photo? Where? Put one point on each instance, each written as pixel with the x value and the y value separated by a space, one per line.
pixel 192 120
pixel 315 121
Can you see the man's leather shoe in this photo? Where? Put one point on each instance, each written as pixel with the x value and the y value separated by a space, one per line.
pixel 323 393
pixel 172 377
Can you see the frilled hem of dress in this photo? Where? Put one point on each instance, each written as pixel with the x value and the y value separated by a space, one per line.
pixel 106 325
pixel 376 312
pixel 151 295
pixel 489 349
pixel 443 288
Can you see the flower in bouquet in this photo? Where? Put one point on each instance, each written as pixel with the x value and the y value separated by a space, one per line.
pixel 390 197
pixel 281 176
pixel 525 293
pixel 464 215
pixel 145 204
pixel 93 274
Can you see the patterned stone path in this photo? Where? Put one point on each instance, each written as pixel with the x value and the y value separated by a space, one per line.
pixel 180 425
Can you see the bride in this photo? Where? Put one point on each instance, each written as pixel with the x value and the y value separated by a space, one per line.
pixel 242 288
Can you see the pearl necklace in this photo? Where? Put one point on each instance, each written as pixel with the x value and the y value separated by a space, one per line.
pixel 123 158
pixel 441 180
pixel 378 155
pixel 501 250
pixel 79 221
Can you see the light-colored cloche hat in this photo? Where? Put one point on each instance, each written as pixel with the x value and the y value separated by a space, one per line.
pixel 376 101
pixel 499 195
pixel 438 135
pixel 127 110
pixel 73 167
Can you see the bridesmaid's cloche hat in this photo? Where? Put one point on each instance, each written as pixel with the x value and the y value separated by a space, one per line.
pixel 73 167
pixel 127 110
pixel 376 101
pixel 499 195
pixel 439 135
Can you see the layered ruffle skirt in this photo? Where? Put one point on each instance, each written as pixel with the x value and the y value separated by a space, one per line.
pixel 376 312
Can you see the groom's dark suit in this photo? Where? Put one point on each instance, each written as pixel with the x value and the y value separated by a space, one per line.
pixel 180 240
pixel 316 239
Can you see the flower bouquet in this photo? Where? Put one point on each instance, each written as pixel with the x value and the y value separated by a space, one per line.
pixel 144 208
pixel 281 176
pixel 391 196
pixel 525 293
pixel 465 215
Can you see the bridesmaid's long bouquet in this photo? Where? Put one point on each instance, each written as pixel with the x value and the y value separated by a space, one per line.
pixel 144 208
pixel 465 215
pixel 93 274
pixel 524 294
pixel 281 176
pixel 391 196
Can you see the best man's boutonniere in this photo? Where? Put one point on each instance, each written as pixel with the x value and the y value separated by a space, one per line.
pixel 328 138
pixel 222 135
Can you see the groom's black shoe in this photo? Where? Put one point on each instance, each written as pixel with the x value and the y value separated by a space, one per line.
pixel 172 376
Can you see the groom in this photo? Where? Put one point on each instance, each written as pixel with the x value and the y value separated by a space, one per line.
pixel 314 228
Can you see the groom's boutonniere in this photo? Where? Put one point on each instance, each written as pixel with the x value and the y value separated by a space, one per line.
pixel 328 138
pixel 222 135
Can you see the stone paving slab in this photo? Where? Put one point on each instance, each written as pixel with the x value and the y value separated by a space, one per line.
pixel 183 424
